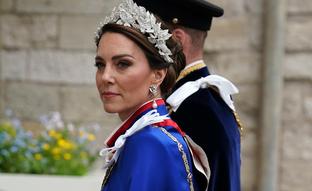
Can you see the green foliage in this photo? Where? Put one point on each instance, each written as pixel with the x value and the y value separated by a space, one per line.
pixel 59 149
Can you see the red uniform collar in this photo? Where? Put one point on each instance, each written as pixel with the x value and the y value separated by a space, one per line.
pixel 137 114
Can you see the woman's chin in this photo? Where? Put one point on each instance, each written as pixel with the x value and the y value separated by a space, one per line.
pixel 110 108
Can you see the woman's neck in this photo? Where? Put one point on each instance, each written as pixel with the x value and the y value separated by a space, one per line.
pixel 126 114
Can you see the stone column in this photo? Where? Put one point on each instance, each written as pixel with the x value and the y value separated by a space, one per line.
pixel 274 27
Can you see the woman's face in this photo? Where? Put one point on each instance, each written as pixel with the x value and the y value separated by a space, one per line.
pixel 123 74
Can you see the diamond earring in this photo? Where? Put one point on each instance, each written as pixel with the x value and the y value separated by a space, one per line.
pixel 153 90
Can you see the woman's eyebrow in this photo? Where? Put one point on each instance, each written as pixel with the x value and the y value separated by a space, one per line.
pixel 121 55
pixel 98 58
pixel 114 57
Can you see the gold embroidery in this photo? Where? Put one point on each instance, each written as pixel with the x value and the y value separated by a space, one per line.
pixel 184 158
pixel 239 123
pixel 190 69
pixel 107 174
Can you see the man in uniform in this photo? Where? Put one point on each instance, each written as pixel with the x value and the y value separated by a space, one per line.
pixel 202 108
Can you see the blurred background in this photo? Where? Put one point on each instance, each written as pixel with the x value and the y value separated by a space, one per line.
pixel 47 64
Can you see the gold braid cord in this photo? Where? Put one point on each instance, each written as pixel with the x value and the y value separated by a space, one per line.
pixel 108 173
pixel 184 158
pixel 190 69
pixel 183 155
pixel 239 123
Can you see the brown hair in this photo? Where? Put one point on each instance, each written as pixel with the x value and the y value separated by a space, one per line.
pixel 154 58
pixel 198 37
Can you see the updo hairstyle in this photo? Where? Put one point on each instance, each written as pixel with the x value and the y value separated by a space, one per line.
pixel 155 60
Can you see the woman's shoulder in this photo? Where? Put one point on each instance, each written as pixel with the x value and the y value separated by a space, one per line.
pixel 154 136
pixel 154 139
pixel 157 148
pixel 152 155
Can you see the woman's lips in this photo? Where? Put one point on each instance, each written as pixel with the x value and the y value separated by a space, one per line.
pixel 108 95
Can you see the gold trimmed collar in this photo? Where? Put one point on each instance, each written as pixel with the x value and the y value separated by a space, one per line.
pixel 188 70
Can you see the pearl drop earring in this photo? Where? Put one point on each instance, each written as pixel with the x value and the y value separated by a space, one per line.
pixel 153 91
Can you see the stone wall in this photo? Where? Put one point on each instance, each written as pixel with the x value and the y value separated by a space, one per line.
pixel 296 135
pixel 47 60
pixel 47 56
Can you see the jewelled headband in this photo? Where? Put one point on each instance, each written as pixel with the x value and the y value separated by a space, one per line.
pixel 130 14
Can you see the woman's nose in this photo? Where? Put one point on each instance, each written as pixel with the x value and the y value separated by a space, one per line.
pixel 107 75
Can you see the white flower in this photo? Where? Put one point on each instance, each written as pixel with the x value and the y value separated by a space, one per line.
pixel 130 14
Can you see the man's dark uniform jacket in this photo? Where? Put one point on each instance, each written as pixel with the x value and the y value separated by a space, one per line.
pixel 210 122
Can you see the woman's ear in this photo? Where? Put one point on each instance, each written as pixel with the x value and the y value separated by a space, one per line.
pixel 159 76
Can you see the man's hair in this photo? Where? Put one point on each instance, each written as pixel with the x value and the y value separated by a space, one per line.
pixel 198 37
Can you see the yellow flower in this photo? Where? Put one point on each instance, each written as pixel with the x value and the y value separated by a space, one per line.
pixel 56 151
pixel 58 136
pixel 7 126
pixel 83 155
pixel 81 133
pixel 69 145
pixel 67 156
pixel 46 146
pixel 61 142
pixel 52 133
pixel 38 156
pixel 91 137
pixel 64 144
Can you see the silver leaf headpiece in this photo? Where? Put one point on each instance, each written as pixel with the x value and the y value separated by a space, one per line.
pixel 130 14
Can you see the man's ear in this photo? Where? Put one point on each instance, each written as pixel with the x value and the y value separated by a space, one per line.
pixel 159 76
pixel 180 35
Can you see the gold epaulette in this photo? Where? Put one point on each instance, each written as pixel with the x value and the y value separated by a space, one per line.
pixel 190 69
pixel 239 123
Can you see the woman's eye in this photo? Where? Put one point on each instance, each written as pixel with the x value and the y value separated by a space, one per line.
pixel 123 64
pixel 99 65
